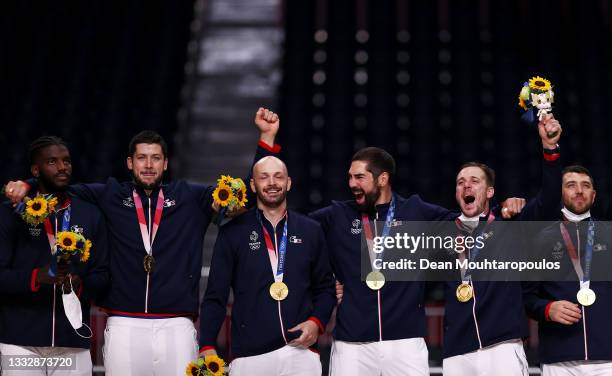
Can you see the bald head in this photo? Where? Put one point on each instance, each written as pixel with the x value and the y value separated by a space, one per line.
pixel 270 182
pixel 270 164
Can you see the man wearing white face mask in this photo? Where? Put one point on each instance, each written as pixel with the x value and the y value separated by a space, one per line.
pixel 41 315
pixel 573 309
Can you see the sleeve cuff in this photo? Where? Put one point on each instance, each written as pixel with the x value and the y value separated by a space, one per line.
pixel 319 325
pixel 34 286
pixel 551 157
pixel 547 311
pixel 272 149
pixel 206 348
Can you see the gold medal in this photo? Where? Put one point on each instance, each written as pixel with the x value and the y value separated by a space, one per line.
pixel 149 263
pixel 464 292
pixel 279 291
pixel 375 280
pixel 586 297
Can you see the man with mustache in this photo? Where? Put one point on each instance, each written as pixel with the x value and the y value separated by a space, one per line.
pixel 275 261
pixel 378 331
pixel 156 235
pixel 33 319
pixel 573 306
pixel 484 320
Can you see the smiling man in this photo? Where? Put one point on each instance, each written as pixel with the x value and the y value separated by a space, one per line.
pixel 573 310
pixel 275 261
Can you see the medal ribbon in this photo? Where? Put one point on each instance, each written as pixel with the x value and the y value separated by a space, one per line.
pixel 466 273
pixel 148 239
pixel 583 275
pixel 277 258
pixel 367 229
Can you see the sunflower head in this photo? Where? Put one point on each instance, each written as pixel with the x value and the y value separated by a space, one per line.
pixel 539 84
pixel 215 365
pixel 86 251
pixel 193 369
pixel 225 179
pixel 222 194
pixel 67 241
pixel 36 207
pixel 241 196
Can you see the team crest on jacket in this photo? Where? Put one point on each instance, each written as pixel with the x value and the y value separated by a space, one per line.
pixel 295 240
pixel 76 229
pixel 34 231
pixel 356 227
pixel 557 251
pixel 600 247
pixel 254 244
pixel 129 202
pixel 168 203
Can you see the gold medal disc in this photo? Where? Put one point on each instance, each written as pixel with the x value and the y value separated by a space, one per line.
pixel 464 292
pixel 375 280
pixel 279 291
pixel 148 263
pixel 586 297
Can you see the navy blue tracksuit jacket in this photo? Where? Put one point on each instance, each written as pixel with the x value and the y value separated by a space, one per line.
pixel 402 303
pixel 32 314
pixel 589 338
pixel 496 312
pixel 240 261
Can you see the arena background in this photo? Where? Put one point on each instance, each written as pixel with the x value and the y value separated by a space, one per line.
pixel 433 82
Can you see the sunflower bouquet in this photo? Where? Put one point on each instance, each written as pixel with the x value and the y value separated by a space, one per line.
pixel 538 93
pixel 230 193
pixel 35 210
pixel 210 365
pixel 70 244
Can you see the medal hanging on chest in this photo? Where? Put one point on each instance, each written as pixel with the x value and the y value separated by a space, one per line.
pixel 375 280
pixel 148 232
pixel 585 296
pixel 278 289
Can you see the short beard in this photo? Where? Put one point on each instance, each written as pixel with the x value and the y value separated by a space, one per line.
pixel 50 186
pixel 573 209
pixel 272 204
pixel 151 186
pixel 369 204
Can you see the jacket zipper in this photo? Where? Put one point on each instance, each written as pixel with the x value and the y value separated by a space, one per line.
pixel 474 316
pixel 474 311
pixel 148 274
pixel 586 348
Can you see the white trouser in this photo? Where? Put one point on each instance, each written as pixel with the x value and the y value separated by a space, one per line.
pixel 578 368
pixel 502 359
pixel 402 357
pixel 149 347
pixel 77 360
pixel 286 361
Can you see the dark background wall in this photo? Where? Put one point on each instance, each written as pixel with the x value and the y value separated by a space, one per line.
pixel 93 72
pixel 436 84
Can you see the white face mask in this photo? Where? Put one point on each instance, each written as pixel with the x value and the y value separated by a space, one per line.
pixel 72 309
